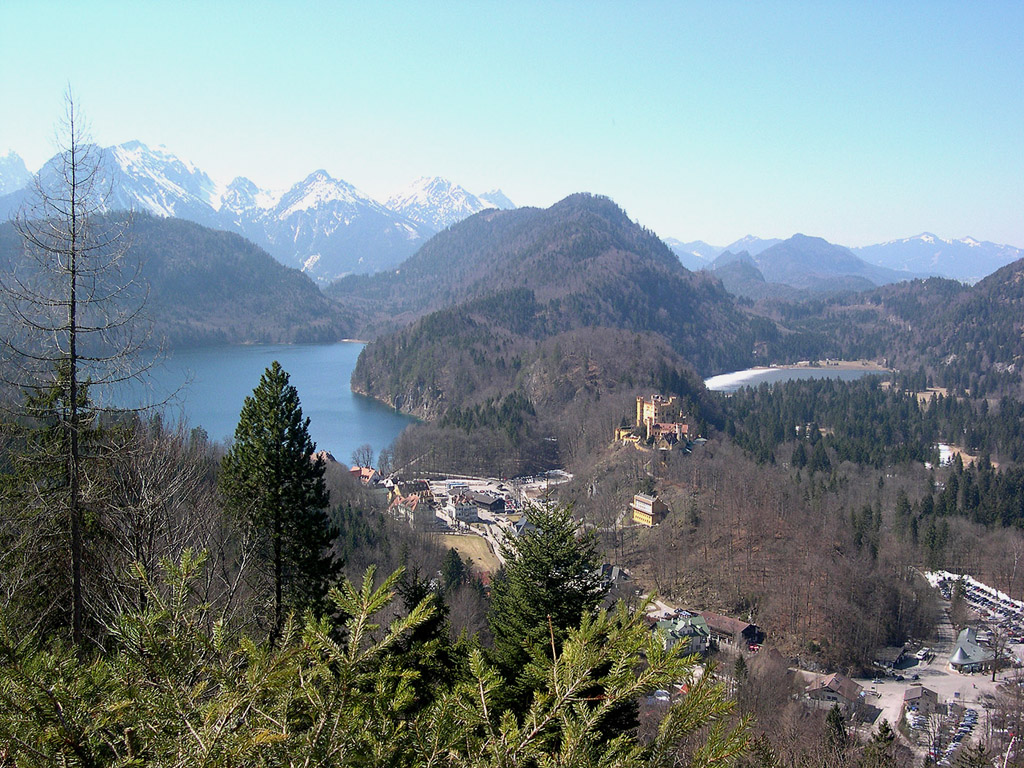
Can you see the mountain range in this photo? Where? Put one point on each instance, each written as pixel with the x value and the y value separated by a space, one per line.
pixel 807 264
pixel 329 228
pixel 965 259
pixel 438 203
pixel 322 225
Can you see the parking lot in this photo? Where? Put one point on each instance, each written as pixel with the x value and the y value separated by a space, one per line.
pixel 970 696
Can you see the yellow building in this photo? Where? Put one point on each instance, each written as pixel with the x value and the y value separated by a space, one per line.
pixel 657 410
pixel 648 510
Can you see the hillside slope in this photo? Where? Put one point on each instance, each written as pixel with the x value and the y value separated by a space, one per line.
pixel 584 263
pixel 515 284
pixel 208 286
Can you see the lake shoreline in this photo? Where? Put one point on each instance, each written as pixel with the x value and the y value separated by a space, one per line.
pixel 213 381
pixel 846 370
pixel 827 365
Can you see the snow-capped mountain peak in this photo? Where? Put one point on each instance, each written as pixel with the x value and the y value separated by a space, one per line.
pixel 243 195
pixel 163 183
pixel 966 259
pixel 498 199
pixel 13 173
pixel 436 202
pixel 317 189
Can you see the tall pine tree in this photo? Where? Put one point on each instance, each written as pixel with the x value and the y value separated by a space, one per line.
pixel 271 478
pixel 550 581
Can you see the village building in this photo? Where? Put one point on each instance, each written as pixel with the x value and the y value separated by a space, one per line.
pixel 968 655
pixel 836 688
pixel 888 656
pixel 522 526
pixel 732 631
pixel 418 513
pixel 689 630
pixel 488 502
pixel 648 510
pixel 922 700
pixel 612 575
pixel 366 475
pixel 461 509
pixel 404 488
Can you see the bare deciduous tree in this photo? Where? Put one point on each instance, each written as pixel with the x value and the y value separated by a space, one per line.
pixel 73 298
pixel 363 456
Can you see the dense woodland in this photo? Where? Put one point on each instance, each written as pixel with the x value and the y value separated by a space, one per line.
pixel 203 287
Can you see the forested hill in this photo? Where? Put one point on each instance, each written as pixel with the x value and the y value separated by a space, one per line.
pixel 585 263
pixel 208 286
pixel 963 337
pixel 523 280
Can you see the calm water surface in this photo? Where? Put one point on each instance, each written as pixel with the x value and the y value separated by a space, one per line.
pixel 752 377
pixel 213 382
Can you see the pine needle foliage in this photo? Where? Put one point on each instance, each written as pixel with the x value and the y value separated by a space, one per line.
pixel 170 691
pixel 549 583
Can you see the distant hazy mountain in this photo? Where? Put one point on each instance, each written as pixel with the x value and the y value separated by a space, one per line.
pixel 498 200
pixel 436 202
pixel 693 255
pixel 13 173
pixel 697 254
pixel 741 277
pixel 752 245
pixel 965 259
pixel 807 263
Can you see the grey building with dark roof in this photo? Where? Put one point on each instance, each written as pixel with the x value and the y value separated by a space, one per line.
pixel 969 655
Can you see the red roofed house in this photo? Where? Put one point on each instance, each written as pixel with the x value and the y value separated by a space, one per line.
pixel 365 475
pixel 732 631
pixel 836 688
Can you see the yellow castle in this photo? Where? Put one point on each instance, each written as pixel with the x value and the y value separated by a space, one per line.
pixel 658 420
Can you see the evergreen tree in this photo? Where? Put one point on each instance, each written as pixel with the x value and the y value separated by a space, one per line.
pixel 881 750
pixel 453 570
pixel 837 740
pixel 739 670
pixel 428 648
pixel 169 690
pixel 975 756
pixel 271 478
pixel 550 581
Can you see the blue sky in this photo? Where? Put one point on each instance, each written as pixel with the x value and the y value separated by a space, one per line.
pixel 858 122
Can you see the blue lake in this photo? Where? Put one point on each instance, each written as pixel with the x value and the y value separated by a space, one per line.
pixel 752 377
pixel 212 383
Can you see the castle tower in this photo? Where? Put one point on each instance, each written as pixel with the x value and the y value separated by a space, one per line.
pixel 657 410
